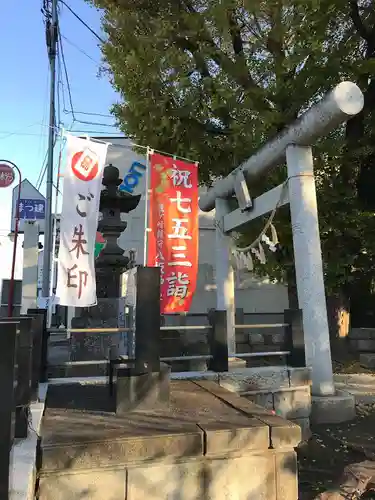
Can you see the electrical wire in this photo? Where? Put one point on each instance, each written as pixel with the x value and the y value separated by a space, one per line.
pixel 62 56
pixel 71 106
pixel 79 49
pixel 82 21
pixel 92 114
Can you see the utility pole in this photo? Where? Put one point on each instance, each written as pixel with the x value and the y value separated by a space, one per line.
pixel 52 38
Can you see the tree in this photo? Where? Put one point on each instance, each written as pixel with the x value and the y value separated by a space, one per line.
pixel 213 80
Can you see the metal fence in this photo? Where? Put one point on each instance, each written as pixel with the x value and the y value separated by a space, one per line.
pixel 185 346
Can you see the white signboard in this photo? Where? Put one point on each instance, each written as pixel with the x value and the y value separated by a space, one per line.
pixel 83 174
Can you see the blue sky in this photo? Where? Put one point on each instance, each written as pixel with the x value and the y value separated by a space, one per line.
pixel 24 85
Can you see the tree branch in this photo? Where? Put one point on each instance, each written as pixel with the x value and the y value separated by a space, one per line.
pixel 235 33
pixel 234 69
pixel 362 29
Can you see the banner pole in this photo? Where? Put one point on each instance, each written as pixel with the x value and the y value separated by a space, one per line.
pixel 146 208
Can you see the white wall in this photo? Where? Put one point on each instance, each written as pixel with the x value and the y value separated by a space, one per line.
pixel 252 295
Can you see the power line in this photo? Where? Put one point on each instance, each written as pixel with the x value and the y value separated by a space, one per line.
pixel 93 114
pixel 82 21
pixel 80 50
pixel 62 55
pixel 71 105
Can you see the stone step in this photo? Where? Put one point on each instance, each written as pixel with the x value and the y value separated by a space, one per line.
pixel 367 379
pixel 362 393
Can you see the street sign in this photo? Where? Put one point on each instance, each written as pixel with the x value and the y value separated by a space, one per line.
pixel 38 203
pixel 31 209
pixel 7 175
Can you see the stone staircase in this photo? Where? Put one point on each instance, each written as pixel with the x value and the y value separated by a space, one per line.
pixel 360 385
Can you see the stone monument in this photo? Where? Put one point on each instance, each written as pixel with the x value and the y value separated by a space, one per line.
pixel 110 264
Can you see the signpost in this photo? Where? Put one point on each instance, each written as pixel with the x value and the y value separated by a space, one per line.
pixel 30 209
pixel 31 205
pixel 6 175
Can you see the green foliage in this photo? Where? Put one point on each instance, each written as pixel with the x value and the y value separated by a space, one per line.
pixel 214 80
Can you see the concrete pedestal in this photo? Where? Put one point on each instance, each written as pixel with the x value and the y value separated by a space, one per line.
pixel 210 444
pixel 333 409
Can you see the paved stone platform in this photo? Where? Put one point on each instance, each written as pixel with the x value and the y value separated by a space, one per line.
pixel 210 445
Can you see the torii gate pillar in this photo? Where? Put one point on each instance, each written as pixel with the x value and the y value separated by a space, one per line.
pixel 225 300
pixel 309 267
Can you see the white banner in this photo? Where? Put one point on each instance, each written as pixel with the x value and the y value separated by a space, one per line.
pixel 83 174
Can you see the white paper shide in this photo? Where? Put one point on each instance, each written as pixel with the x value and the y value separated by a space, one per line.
pixel 83 174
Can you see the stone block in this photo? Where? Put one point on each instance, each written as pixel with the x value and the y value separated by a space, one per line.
pixel 252 379
pixel 283 434
pixel 304 423
pixel 366 345
pixel 242 337
pixel 286 475
pixel 278 338
pixel 293 403
pixel 214 479
pixel 256 338
pixel 367 360
pixel 246 477
pixel 267 338
pixel 224 439
pixel 165 481
pixel 353 344
pixel 90 485
pixel 236 363
pixel 243 348
pixel 299 376
pixel 362 333
pixel 333 409
pixel 264 399
pixel 145 391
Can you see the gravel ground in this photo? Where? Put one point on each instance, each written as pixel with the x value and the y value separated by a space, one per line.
pixel 323 458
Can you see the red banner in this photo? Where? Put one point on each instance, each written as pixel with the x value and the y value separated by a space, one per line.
pixel 173 235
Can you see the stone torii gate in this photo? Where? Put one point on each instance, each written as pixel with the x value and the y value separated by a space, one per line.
pixel 294 146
